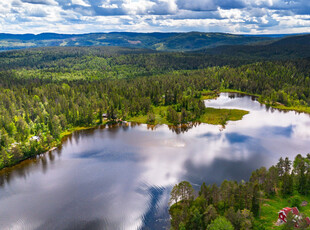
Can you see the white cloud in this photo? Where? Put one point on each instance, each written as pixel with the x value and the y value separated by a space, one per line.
pixel 41 2
pixel 81 16
pixel 80 2
pixel 134 7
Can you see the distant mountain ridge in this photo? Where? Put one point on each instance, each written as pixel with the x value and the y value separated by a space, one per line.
pixel 155 41
pixel 297 46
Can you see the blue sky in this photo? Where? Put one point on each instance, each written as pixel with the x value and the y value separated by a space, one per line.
pixel 84 16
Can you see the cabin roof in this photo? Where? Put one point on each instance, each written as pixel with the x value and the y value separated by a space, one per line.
pixel 295 211
pixel 286 210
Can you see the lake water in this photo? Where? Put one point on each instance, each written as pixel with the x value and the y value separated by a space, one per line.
pixel 121 177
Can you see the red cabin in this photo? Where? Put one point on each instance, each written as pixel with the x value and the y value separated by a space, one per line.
pixel 283 213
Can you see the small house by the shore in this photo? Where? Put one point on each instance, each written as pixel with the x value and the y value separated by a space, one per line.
pixel 284 212
pixel 35 138
pixel 105 116
pixel 297 217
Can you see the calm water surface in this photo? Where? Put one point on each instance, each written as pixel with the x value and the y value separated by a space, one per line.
pixel 121 177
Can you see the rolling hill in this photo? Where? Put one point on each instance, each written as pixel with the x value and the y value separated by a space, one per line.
pixel 297 46
pixel 156 41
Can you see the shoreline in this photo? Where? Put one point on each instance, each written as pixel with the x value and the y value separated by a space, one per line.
pixel 275 105
pixel 213 95
pixel 175 128
pixel 56 145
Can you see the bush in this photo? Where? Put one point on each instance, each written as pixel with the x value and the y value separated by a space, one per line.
pixel 220 223
pixel 295 201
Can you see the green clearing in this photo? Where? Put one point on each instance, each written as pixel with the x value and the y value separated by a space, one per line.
pixel 211 116
pixel 238 91
pixel 271 207
pixel 221 116
pixel 300 109
pixel 160 116
pixel 208 95
pixel 70 131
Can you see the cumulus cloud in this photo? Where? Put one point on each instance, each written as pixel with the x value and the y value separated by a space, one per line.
pixel 36 12
pixel 206 5
pixel 80 16
pixel 43 2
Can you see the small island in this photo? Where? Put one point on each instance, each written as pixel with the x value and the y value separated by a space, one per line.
pixel 166 115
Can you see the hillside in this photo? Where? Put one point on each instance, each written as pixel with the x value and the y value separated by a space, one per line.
pixel 155 41
pixel 62 59
pixel 286 48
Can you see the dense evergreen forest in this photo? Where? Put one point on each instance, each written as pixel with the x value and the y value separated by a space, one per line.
pixel 234 205
pixel 286 48
pixel 46 92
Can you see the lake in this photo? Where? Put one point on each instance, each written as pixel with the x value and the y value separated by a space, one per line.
pixel 120 177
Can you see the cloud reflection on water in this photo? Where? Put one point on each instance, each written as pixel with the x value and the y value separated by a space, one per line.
pixel 120 177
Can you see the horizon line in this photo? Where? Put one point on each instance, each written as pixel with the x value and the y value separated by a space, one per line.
pixel 171 32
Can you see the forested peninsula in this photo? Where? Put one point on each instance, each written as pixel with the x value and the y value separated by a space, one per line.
pixel 46 93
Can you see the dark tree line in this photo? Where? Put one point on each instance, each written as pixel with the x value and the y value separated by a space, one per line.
pixel 43 108
pixel 44 92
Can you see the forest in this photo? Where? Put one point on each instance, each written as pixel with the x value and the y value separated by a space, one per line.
pixel 244 205
pixel 47 92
